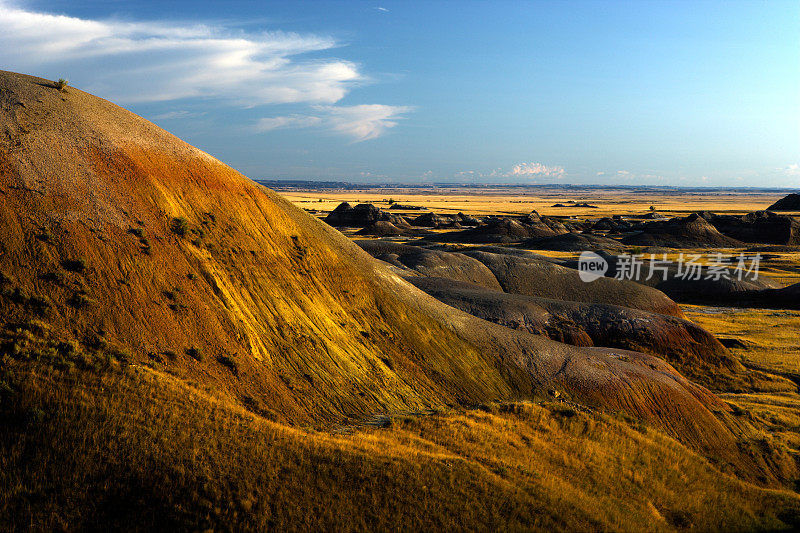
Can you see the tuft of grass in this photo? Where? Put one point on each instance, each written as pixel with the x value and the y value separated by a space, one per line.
pixel 78 265
pixel 194 353
pixel 179 226
pixel 61 84
pixel 138 232
pixel 45 236
pixel 79 300
pixel 227 361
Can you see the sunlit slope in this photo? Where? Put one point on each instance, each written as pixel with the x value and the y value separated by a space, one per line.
pixel 128 241
pixel 252 279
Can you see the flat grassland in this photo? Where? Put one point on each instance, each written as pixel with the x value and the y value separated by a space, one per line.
pixel 520 201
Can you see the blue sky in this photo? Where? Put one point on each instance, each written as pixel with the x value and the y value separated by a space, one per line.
pixel 662 93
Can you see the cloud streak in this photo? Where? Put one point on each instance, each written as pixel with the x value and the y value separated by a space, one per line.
pixel 359 122
pixel 146 62
pixel 535 170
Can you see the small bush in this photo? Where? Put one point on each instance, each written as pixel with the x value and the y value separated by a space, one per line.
pixel 138 232
pixel 18 295
pixel 68 348
pixel 61 84
pixel 55 277
pixel 179 226
pixel 79 300
pixel 40 304
pixel 74 265
pixel 191 275
pixel 45 236
pixel 224 360
pixel 194 353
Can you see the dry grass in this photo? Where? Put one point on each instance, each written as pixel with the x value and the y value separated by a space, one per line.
pixel 134 448
pixel 770 335
pixel 501 201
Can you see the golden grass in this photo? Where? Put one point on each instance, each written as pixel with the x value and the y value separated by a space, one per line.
pixel 135 448
pixel 500 201
pixel 770 335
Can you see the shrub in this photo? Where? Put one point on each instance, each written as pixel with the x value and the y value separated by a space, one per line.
pixel 224 360
pixel 138 232
pixel 74 265
pixel 61 84
pixel 79 300
pixel 194 353
pixel 68 348
pixel 45 236
pixel 179 226
pixel 40 304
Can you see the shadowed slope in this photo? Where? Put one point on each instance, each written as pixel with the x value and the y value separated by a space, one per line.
pixel 529 275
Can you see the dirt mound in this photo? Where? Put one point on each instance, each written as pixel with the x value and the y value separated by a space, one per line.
pixel 760 227
pixel 692 231
pixel 532 276
pixel 361 216
pixel 692 349
pixel 581 204
pixel 790 202
pixel 575 242
pixel 384 228
pixel 612 225
pixel 432 220
pixel 503 230
pixel 450 265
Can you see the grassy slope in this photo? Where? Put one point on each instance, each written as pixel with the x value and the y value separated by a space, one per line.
pixel 80 451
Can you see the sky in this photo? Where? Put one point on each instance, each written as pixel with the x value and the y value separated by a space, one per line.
pixel 635 93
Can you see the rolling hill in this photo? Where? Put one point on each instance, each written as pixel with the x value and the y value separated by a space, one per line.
pixel 159 309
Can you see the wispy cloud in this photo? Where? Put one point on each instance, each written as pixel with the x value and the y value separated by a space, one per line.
pixel 792 170
pixel 175 115
pixel 533 170
pixel 359 122
pixel 383 9
pixel 147 61
pixel 521 171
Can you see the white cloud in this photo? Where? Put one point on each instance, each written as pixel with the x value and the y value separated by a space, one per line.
pixel 291 121
pixel 359 122
pixel 173 115
pixel 146 61
pixel 383 9
pixel 792 170
pixel 533 170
